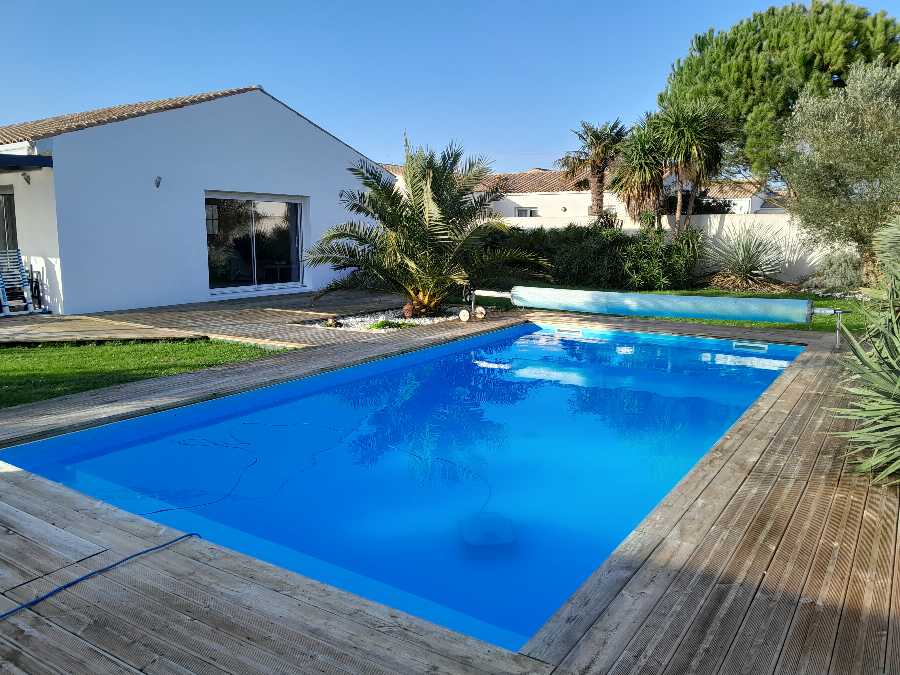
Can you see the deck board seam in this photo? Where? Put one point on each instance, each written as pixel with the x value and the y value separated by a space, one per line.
pixel 747 476
pixel 801 584
pixel 794 374
pixel 849 577
pixel 149 562
pixel 47 574
pixel 722 467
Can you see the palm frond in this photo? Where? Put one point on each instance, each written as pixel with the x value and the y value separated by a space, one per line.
pixel 427 236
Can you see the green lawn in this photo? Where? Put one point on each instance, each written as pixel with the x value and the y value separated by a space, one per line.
pixel 30 374
pixel 855 320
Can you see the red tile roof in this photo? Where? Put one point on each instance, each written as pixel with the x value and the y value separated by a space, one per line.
pixel 533 180
pixel 53 126
pixel 540 180
pixel 732 189
pixel 548 180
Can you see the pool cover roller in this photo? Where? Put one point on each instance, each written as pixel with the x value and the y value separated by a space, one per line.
pixel 669 306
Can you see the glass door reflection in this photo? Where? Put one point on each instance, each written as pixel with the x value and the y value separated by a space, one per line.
pixel 253 243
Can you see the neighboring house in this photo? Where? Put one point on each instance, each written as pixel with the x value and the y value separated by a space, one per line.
pixel 165 202
pixel 547 198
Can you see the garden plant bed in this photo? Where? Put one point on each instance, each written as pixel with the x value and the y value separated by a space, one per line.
pixel 388 321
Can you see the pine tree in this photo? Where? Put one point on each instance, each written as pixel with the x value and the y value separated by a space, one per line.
pixel 758 68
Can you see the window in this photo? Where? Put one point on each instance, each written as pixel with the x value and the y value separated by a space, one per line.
pixel 526 212
pixel 212 219
pixel 253 243
pixel 8 240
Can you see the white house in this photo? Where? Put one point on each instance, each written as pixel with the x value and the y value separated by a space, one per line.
pixel 165 202
pixel 547 198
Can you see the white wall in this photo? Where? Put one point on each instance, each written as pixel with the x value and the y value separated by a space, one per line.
pixel 802 259
pixel 127 244
pixel 36 229
pixel 551 206
pixel 558 209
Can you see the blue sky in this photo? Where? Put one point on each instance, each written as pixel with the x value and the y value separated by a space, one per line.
pixel 508 80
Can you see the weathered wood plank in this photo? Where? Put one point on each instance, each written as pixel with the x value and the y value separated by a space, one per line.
pixel 892 658
pixel 759 639
pixel 120 639
pixel 42 532
pixel 54 646
pixel 861 641
pixel 708 544
pixel 608 636
pixel 167 624
pixel 809 643
pixel 282 596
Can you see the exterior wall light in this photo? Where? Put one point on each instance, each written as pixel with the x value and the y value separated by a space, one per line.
pixel 157 181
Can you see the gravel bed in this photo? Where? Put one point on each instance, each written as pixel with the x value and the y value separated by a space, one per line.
pixel 361 322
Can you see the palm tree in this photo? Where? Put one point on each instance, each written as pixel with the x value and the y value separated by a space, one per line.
pixel 692 134
pixel 638 176
pixel 599 147
pixel 429 237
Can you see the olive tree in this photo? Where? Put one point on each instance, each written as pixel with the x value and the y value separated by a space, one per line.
pixel 841 158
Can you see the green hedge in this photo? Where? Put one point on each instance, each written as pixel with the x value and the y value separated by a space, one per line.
pixel 608 258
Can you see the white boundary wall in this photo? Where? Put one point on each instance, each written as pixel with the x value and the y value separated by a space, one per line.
pixel 802 259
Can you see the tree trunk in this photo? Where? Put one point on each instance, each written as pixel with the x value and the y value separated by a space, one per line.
pixel 678 204
pixel 872 271
pixel 419 303
pixel 690 208
pixel 596 180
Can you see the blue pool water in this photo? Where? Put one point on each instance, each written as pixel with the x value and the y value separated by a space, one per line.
pixel 475 484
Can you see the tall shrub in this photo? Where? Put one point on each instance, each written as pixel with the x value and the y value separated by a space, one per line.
pixel 842 158
pixel 875 364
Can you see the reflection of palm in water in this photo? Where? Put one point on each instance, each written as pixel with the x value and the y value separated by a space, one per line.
pixel 312 461
pixel 417 412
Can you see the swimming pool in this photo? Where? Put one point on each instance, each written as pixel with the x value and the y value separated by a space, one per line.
pixel 475 484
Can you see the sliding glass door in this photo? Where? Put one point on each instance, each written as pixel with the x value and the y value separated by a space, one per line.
pixel 253 243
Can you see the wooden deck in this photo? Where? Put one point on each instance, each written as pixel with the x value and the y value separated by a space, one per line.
pixel 769 556
pixel 283 320
pixel 38 329
pixel 289 320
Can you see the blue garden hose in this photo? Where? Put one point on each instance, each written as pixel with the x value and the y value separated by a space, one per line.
pixel 60 589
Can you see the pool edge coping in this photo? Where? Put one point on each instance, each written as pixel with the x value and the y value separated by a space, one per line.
pixel 542 653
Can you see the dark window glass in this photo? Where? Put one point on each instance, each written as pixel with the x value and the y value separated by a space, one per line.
pixel 253 243
pixel 230 248
pixel 277 246
pixel 8 238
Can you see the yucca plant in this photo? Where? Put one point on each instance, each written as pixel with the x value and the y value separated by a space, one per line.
pixel 875 364
pixel 744 259
pixel 425 237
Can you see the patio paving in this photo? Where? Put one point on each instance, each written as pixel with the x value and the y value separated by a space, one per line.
pixel 281 320
pixel 770 556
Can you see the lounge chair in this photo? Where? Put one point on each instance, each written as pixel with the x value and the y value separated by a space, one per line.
pixel 15 289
